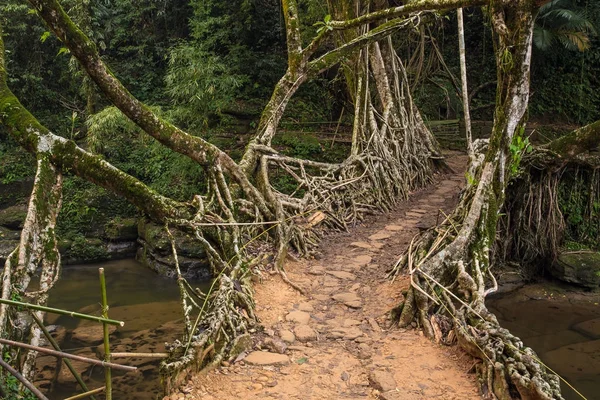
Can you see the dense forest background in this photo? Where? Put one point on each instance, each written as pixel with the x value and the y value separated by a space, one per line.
pixel 209 66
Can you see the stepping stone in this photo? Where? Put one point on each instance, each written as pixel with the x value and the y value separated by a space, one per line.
pixel 411 222
pixel 300 317
pixel 329 282
pixel 379 236
pixel 361 245
pixel 305 333
pixel 321 297
pixel 342 275
pixel 349 299
pixel 393 228
pixel 349 333
pixel 355 287
pixel 266 358
pixel 305 307
pixel 362 260
pixel 316 270
pixel 287 336
pixel 419 211
pixel 382 381
pixel 378 245
pixel 414 214
pixel 350 322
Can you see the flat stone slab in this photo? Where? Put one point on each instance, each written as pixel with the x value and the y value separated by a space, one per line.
pixel 350 299
pixel 382 380
pixel 342 275
pixel 305 307
pixel 413 214
pixel 380 236
pixel 305 333
pixel 350 322
pixel 393 228
pixel 330 282
pixel 287 336
pixel 361 245
pixel 300 317
pixel 316 270
pixel 349 333
pixel 266 358
pixel 362 260
pixel 410 222
pixel 418 211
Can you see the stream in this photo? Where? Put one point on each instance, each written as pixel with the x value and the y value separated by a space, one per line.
pixel 562 325
pixel 147 303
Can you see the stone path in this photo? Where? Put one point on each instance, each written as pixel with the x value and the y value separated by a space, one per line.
pixel 335 343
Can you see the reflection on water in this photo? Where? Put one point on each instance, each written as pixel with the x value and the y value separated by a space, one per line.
pixel 147 303
pixel 562 326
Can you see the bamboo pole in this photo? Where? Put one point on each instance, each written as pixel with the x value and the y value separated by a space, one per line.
pixel 67 355
pixel 61 312
pixel 22 379
pixel 139 355
pixel 87 394
pixel 57 348
pixel 107 370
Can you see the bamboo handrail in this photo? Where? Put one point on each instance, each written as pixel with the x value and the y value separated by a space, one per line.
pixel 87 394
pixel 139 355
pixel 107 370
pixel 62 312
pixel 68 355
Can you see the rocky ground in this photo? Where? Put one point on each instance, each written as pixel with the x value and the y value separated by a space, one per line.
pixel 335 342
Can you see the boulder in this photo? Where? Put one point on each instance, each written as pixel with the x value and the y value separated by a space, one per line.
pixel 6 247
pixel 581 269
pixel 121 230
pixel 13 217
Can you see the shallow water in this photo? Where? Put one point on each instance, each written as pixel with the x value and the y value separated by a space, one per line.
pixel 147 303
pixel 563 327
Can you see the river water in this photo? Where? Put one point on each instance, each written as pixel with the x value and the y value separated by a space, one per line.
pixel 562 325
pixel 147 303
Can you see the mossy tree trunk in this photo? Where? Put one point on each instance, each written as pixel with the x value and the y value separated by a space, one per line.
pixel 37 250
pixel 450 265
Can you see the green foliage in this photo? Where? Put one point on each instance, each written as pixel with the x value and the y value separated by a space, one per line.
pixel 300 145
pixel 580 206
pixel 11 385
pixel 324 25
pixel 560 22
pixel 15 164
pixel 519 147
pixel 246 35
pixel 199 84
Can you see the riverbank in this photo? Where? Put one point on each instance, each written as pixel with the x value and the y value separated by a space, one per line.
pixel 562 324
